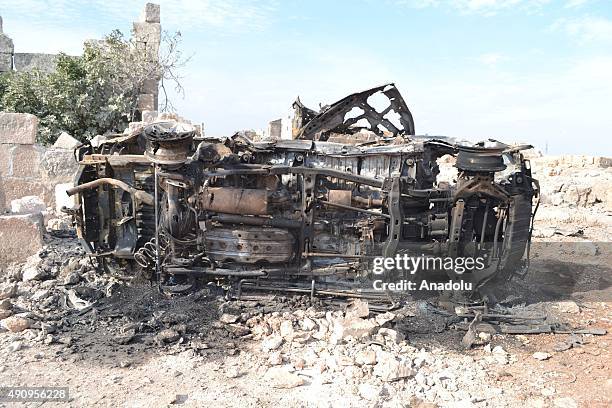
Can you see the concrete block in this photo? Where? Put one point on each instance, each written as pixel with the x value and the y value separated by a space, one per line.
pixel 3 206
pixel 28 205
pixel 30 61
pixel 6 62
pixel 58 165
pixel 149 116
pixel 18 128
pixel 65 141
pixel 6 44
pixel 6 158
pixel 62 199
pixel 26 161
pixel 14 188
pixel 146 102
pixel 150 13
pixel 21 236
pixel 149 33
pixel 150 86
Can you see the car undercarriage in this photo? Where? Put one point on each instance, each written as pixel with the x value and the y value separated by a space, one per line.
pixel 309 214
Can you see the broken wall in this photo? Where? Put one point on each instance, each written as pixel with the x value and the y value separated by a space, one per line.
pixel 28 169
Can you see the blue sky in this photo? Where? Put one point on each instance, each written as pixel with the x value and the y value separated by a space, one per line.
pixel 516 70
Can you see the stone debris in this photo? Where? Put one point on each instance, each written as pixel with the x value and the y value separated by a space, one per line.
pixel 65 141
pixel 271 343
pixel 16 324
pixel 282 377
pixel 353 327
pixel 228 318
pixel 567 307
pixel 167 336
pixel 7 290
pixel 539 355
pixel 33 270
pixel 365 357
pixel 357 309
pixel 389 368
pixel 28 205
pixel 21 236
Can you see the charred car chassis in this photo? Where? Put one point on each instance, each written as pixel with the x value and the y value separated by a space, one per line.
pixel 308 214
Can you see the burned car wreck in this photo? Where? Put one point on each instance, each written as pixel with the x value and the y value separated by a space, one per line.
pixel 306 215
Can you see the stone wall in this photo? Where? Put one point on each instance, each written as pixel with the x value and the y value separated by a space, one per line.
pixel 27 169
pixel 23 61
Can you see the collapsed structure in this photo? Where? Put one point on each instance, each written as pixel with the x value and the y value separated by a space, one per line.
pixel 307 214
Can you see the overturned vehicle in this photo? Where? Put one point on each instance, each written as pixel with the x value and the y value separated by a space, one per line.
pixel 310 214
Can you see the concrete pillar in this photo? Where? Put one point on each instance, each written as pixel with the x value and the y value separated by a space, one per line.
pixel 147 34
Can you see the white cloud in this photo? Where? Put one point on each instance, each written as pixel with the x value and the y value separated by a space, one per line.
pixel 585 29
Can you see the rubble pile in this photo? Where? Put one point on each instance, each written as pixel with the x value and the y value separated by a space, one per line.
pixel 575 181
pixel 364 353
pixel 58 298
pixel 59 301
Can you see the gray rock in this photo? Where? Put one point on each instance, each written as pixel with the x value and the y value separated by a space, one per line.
pixel 7 290
pixel 72 278
pixel 365 357
pixel 271 343
pixel 567 307
pixel 286 328
pixel 6 304
pixel 281 377
pixel 167 336
pixel 388 368
pixel 354 327
pixel 28 205
pixel 228 318
pixel 32 270
pixel 126 336
pixel 391 334
pixel 65 141
pixel 358 308
pixel 15 346
pixel 383 318
pixel 540 355
pixel 16 324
